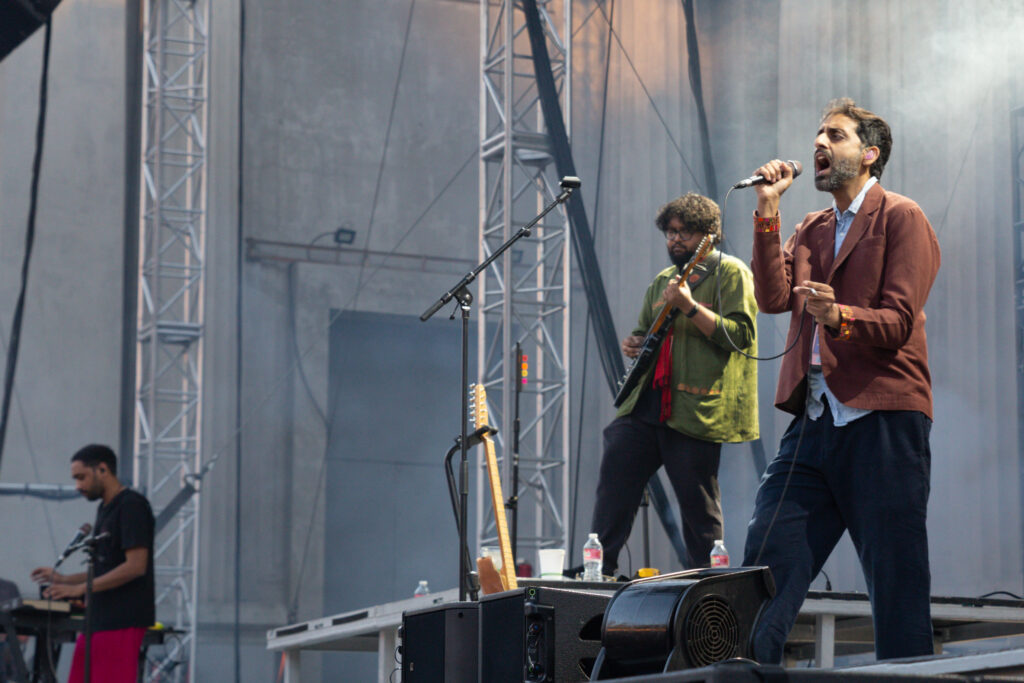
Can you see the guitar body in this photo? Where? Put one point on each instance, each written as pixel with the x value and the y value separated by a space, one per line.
pixel 478 401
pixel 656 333
pixel 644 359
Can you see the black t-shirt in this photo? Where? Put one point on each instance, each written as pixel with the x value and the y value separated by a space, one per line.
pixel 129 520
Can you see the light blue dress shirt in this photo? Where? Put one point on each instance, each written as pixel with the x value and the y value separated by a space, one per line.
pixel 842 414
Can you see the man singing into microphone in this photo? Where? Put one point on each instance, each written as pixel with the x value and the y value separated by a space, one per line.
pixel 122 605
pixel 856 457
pixel 699 394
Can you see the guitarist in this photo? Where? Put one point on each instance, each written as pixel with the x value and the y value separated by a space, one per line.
pixel 698 394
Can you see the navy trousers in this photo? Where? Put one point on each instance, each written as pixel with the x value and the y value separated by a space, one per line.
pixel 634 449
pixel 871 478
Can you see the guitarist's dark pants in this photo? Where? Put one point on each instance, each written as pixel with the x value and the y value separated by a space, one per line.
pixel 633 451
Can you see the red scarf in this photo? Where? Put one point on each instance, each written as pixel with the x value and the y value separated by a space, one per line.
pixel 663 376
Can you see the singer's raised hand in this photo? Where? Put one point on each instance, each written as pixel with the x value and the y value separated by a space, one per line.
pixel 780 176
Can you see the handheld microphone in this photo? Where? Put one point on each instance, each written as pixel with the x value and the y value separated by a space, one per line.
pixel 797 167
pixel 83 531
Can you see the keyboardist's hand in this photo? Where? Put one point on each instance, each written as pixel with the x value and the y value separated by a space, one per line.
pixel 45 575
pixel 65 591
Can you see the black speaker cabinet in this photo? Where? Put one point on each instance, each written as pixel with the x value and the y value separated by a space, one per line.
pixel 440 644
pixel 540 634
pixel 682 621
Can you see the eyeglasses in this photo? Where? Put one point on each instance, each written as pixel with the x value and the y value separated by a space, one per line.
pixel 679 234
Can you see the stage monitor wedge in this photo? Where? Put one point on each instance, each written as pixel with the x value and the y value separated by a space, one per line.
pixel 681 621
pixel 19 19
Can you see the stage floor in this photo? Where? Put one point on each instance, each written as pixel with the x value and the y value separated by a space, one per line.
pixel 829 624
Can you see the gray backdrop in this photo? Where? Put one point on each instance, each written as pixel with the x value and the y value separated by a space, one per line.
pixel 321 82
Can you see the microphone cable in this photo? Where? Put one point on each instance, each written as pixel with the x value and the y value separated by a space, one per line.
pixel 718 289
pixel 803 420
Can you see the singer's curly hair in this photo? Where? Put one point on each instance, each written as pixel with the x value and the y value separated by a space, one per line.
pixel 696 212
pixel 872 129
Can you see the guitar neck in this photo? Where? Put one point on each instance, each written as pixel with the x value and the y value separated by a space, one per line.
pixel 508 564
pixel 667 308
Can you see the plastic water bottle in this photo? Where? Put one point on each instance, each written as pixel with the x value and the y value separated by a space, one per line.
pixel 593 558
pixel 421 589
pixel 719 555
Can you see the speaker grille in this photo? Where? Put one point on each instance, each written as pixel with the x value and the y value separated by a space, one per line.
pixel 712 631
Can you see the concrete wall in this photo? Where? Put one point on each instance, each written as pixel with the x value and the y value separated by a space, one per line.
pixel 66 392
pixel 318 137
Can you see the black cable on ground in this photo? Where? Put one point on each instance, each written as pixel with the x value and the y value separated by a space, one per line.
pixel 30 237
pixel 1006 593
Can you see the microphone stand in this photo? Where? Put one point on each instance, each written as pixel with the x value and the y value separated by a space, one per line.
pixel 460 292
pixel 513 500
pixel 89 544
pixel 90 570
pixel 90 553
pixel 645 504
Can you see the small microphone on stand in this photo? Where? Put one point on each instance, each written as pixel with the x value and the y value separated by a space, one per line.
pixel 569 182
pixel 83 531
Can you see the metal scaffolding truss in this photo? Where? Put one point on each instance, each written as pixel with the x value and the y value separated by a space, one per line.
pixel 524 296
pixel 169 359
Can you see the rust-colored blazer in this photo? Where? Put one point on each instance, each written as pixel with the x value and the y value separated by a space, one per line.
pixel 881 277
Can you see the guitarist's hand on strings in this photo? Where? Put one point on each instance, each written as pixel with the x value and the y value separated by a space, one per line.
pixel 631 345
pixel 821 302
pixel 678 294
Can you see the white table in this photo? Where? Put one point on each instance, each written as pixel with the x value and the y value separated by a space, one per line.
pixel 364 630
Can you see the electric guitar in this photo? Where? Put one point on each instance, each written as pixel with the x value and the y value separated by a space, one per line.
pixel 478 404
pixel 656 333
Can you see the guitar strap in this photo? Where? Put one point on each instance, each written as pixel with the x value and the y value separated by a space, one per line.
pixel 662 380
pixel 698 276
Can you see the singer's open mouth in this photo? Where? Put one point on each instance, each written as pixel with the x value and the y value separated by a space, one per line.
pixel 821 163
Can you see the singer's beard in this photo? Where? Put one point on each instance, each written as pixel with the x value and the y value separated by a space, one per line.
pixel 681 258
pixel 841 171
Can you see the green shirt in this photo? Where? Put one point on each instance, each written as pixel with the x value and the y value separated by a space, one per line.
pixel 714 389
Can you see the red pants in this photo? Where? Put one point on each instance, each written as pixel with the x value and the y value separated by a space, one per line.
pixel 114 657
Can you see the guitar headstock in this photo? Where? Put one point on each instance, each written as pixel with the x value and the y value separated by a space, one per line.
pixel 703 249
pixel 478 405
